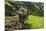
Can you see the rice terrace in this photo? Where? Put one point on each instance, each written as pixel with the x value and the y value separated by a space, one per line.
pixel 22 15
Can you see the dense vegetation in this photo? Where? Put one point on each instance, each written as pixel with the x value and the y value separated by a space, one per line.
pixel 32 8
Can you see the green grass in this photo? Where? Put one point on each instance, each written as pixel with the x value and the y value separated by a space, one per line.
pixel 35 21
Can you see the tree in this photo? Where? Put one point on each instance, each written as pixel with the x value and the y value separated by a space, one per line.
pixel 33 8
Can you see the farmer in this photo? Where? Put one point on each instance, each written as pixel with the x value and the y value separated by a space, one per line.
pixel 22 15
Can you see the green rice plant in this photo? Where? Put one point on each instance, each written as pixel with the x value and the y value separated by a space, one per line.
pixel 35 21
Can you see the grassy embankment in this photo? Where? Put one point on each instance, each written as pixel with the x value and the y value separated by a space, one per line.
pixel 33 21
